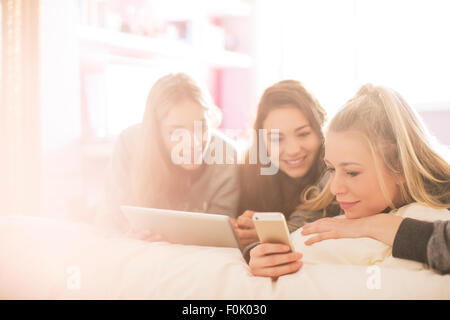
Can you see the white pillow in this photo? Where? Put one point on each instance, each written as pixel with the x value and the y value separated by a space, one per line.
pixel 364 251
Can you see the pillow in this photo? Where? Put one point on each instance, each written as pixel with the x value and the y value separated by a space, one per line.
pixel 357 251
pixel 364 251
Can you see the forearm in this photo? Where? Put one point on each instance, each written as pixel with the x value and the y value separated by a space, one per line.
pixel 382 227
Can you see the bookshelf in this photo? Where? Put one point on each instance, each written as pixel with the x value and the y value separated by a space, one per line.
pixel 136 44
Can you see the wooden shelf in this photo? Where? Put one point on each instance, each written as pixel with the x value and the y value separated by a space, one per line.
pixel 164 47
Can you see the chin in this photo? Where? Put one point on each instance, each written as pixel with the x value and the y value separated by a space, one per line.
pixel 295 173
pixel 351 215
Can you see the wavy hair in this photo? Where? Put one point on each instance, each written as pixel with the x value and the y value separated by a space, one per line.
pixel 394 132
pixel 262 192
pixel 153 180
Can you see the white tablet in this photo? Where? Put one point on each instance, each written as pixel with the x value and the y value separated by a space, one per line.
pixel 191 228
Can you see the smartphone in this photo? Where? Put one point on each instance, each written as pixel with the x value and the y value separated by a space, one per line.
pixel 271 227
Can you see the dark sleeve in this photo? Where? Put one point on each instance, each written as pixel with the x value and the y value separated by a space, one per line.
pixel 246 251
pixel 426 242
pixel 411 240
pixel 299 218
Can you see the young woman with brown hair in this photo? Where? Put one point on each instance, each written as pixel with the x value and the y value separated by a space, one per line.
pixel 297 115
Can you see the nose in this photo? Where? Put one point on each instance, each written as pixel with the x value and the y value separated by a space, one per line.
pixel 337 185
pixel 292 147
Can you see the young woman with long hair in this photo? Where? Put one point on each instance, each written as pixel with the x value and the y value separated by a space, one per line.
pixel 143 171
pixel 297 115
pixel 380 158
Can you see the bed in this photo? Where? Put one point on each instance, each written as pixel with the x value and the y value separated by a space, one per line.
pixel 48 258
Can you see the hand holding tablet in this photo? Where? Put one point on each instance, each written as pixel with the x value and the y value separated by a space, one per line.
pixel 144 234
pixel 189 228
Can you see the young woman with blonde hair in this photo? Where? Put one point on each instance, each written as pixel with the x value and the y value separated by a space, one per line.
pixel 143 171
pixel 380 158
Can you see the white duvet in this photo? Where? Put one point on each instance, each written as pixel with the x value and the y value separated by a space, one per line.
pixel 42 258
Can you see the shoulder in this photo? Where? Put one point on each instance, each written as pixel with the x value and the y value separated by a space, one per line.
pixel 128 138
pixel 218 136
pixel 422 212
pixel 323 180
pixel 222 149
pixel 130 133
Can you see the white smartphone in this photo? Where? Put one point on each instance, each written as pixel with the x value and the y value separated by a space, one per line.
pixel 271 227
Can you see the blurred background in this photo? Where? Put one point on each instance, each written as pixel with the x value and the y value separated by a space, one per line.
pixel 77 72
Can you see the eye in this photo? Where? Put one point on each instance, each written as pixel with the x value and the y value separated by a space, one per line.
pixel 304 134
pixel 331 170
pixel 352 173
pixel 275 138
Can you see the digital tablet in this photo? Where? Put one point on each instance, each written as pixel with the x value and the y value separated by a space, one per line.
pixel 190 228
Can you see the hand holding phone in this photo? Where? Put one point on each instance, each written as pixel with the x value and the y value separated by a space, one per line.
pixel 271 227
pixel 276 255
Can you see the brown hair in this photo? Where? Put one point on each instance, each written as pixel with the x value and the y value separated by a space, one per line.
pixel 153 180
pixel 262 192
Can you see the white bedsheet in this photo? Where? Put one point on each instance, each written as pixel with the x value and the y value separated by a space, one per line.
pixel 42 258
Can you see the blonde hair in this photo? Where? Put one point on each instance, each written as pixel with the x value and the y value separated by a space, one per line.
pixel 394 132
pixel 153 182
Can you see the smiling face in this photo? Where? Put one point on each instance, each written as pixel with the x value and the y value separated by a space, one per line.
pixel 353 175
pixel 299 144
pixel 184 115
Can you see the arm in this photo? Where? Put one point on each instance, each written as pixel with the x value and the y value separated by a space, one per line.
pixel 247 249
pixel 226 197
pixel 381 227
pixel 426 242
pixel 224 181
pixel 116 189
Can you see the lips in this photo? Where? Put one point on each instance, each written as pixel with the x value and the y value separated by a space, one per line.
pixel 347 205
pixel 295 163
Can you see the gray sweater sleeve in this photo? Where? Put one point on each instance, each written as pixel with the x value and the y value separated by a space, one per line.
pixel 116 188
pixel 438 248
pixel 225 184
pixel 426 242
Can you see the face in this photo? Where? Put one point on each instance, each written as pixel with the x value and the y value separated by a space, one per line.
pixel 353 175
pixel 190 117
pixel 299 144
